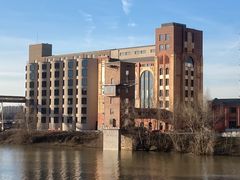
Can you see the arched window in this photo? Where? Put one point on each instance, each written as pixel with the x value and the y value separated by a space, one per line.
pixel 146 89
pixel 189 62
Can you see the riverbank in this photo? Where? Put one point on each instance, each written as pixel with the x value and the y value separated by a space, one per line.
pixel 23 137
pixel 129 141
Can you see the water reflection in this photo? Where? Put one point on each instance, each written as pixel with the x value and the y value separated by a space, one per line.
pixel 28 163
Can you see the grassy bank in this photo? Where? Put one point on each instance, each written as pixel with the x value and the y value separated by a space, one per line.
pixel 23 137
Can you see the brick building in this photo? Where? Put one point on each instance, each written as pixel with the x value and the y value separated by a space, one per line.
pixel 226 114
pixel 67 92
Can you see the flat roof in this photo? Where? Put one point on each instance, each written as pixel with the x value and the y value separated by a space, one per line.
pixel 228 102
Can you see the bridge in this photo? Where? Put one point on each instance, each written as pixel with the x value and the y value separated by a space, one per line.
pixel 12 99
pixel 9 99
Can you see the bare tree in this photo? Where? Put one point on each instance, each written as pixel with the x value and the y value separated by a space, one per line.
pixel 193 128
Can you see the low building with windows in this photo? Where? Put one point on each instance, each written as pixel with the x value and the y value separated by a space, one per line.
pixel 226 114
pixel 73 91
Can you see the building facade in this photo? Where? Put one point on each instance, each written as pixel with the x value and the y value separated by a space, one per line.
pixel 67 92
pixel 226 114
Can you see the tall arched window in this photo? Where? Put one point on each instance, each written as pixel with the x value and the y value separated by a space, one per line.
pixel 146 89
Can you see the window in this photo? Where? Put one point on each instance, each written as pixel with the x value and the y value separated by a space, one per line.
pixel 32 76
pixel 186 82
pixel 56 101
pixel 166 82
pixel 84 100
pixel 43 111
pixel 31 84
pixel 56 92
pixel 69 120
pixel 161 82
pixel 44 92
pixel 44 66
pixel 161 37
pixel 192 73
pixel 70 82
pixel 56 74
pixel 84 63
pixel 70 73
pixel 84 81
pixel 70 101
pixel 56 83
pixel 70 92
pixel 161 47
pixel 83 120
pixel 167 104
pixel 44 101
pixel 56 120
pixel 186 72
pixel 84 72
pixel 167 37
pixel 167 71
pixel 31 102
pixel 167 46
pixel 152 50
pixel 84 110
pixel 56 110
pixel 166 93
pixel 161 93
pixel 232 124
pixel 192 93
pixel 70 64
pixel 161 104
pixel 192 83
pixel 69 110
pixel 32 67
pixel 44 84
pixel 84 91
pixel 43 120
pixel 186 93
pixel 146 89
pixel 44 75
pixel 161 71
pixel 57 65
pixel 233 110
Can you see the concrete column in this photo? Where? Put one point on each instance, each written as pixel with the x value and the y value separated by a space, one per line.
pixel 111 139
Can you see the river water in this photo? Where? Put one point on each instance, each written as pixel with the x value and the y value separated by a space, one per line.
pixel 40 163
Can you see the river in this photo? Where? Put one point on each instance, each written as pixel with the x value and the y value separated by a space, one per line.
pixel 40 163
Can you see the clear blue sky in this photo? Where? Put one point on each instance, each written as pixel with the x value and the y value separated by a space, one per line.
pixel 77 25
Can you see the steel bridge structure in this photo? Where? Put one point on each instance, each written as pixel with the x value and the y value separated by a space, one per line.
pixel 10 99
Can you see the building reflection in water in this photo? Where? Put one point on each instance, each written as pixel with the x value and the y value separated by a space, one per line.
pixel 107 165
pixel 40 163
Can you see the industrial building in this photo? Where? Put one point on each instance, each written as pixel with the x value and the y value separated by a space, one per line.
pixel 93 90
